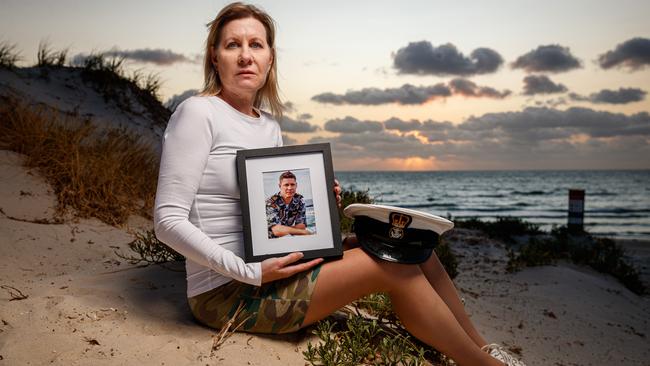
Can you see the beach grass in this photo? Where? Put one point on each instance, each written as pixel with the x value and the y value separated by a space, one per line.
pixel 149 83
pixel 108 175
pixel 48 57
pixel 108 76
pixel 9 55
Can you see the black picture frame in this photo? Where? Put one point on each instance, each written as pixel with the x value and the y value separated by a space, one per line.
pixel 256 169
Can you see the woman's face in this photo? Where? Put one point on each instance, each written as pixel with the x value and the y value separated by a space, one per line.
pixel 243 57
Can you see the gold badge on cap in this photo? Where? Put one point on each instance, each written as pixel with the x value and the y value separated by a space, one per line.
pixel 399 222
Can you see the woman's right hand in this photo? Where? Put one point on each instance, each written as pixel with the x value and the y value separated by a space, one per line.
pixel 281 267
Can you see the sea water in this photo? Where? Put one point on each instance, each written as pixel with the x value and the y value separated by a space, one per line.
pixel 617 203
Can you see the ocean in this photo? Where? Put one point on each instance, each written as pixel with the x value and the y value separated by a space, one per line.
pixel 617 203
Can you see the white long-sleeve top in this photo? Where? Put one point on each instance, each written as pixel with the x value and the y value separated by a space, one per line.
pixel 197 210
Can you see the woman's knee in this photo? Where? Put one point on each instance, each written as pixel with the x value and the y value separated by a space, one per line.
pixel 386 275
pixel 393 275
pixel 399 272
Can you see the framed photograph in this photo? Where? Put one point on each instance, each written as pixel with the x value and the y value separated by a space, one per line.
pixel 288 203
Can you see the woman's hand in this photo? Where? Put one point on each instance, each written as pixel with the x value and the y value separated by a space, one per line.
pixel 278 268
pixel 337 192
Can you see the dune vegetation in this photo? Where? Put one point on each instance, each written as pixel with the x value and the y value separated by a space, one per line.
pixel 108 175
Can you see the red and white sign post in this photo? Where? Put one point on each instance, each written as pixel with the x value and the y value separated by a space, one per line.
pixel 576 210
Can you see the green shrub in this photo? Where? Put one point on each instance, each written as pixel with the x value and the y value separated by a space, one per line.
pixel 349 197
pixel 447 258
pixel 537 252
pixel 604 255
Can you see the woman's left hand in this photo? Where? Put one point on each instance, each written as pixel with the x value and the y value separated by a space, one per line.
pixel 337 192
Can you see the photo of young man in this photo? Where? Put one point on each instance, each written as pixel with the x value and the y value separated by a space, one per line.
pixel 286 209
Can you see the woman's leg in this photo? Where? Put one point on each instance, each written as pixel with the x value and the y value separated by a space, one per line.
pixel 439 279
pixel 418 306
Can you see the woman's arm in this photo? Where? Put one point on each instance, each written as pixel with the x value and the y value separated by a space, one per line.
pixel 186 147
pixel 282 230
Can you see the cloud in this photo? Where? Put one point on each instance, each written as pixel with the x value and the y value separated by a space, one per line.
pixel 539 124
pixel 422 58
pixel 633 54
pixel 550 58
pixel 289 106
pixel 620 96
pixel 395 123
pixel 541 84
pixel 430 125
pixel 553 102
pixel 552 138
pixel 177 99
pixel 408 94
pixel 470 89
pixel 157 56
pixel 352 125
pixel 578 98
pixel 296 126
pixel 376 144
pixel 305 116
pixel 536 137
pixel 608 96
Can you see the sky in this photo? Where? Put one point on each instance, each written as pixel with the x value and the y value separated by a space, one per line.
pixel 405 85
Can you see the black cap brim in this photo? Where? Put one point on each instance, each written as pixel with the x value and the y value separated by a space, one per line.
pixel 407 254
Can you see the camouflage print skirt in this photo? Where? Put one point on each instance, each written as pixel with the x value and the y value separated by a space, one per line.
pixel 275 307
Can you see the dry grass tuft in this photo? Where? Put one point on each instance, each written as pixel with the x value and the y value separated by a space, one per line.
pixel 108 77
pixel 15 293
pixel 150 250
pixel 107 175
pixel 228 329
pixel 9 55
pixel 46 56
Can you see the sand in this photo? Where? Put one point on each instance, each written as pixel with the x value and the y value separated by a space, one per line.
pixel 87 306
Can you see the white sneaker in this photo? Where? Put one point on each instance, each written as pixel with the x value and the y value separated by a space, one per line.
pixel 498 352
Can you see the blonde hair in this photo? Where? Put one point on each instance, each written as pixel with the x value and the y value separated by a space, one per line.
pixel 269 93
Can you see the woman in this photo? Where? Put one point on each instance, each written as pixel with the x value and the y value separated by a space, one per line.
pixel 197 213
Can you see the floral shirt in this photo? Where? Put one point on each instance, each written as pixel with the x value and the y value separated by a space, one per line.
pixel 280 213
